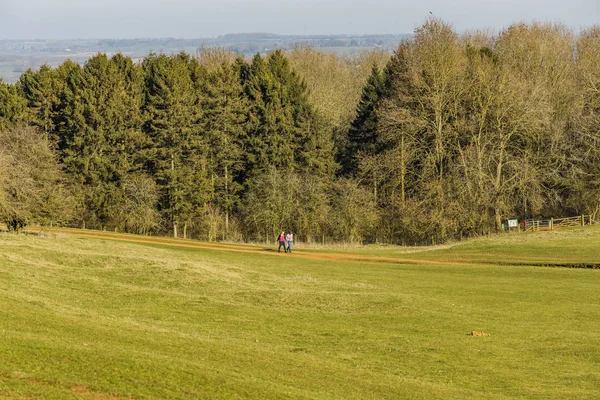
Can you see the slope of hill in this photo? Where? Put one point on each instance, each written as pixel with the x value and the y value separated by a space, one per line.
pixel 105 316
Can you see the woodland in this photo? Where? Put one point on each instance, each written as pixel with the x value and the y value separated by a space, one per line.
pixel 444 138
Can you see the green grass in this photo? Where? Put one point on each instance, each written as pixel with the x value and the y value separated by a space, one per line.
pixel 102 319
pixel 569 246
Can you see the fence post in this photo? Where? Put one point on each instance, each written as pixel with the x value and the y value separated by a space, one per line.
pixel 551 223
pixel 582 220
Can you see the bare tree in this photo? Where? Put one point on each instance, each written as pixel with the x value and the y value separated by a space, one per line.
pixel 32 188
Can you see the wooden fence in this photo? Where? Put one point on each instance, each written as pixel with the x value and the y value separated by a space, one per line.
pixel 556 223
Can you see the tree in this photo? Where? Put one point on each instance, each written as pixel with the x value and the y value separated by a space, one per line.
pixel 32 187
pixel 223 119
pixel 177 154
pixel 99 132
pixel 312 216
pixel 332 83
pixel 399 127
pixel 538 62
pixel 41 90
pixel 12 106
pixel 410 136
pixel 354 214
pixel 140 200
pixel 270 203
pixel 583 178
pixel 362 138
pixel 283 130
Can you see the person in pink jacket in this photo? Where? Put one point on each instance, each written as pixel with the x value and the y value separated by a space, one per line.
pixel 282 242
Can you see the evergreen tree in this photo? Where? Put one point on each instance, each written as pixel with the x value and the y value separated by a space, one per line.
pixel 269 141
pixel 362 136
pixel 177 154
pixel 99 133
pixel 224 115
pixel 283 130
pixel 66 79
pixel 41 90
pixel 12 106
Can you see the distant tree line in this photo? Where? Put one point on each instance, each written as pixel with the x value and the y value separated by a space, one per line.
pixel 450 136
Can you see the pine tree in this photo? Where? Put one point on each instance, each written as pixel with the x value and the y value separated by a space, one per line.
pixel 224 115
pixel 41 90
pixel 12 106
pixel 363 134
pixel 67 77
pixel 100 132
pixel 177 154
pixel 269 141
pixel 283 131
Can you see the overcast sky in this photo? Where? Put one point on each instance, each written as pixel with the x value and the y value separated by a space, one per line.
pixel 70 19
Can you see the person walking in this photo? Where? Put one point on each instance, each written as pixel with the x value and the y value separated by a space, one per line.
pixel 282 242
pixel 289 238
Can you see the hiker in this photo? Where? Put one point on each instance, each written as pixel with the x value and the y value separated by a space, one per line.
pixel 282 242
pixel 289 238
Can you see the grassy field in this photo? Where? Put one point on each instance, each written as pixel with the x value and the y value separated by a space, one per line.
pixel 88 315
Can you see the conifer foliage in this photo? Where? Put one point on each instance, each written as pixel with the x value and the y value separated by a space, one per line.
pixel 283 130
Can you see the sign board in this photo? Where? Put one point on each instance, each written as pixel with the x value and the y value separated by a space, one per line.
pixel 513 223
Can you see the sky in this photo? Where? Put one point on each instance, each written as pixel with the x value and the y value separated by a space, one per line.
pixel 83 19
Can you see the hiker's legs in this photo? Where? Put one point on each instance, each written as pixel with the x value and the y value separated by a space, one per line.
pixel 290 246
pixel 281 244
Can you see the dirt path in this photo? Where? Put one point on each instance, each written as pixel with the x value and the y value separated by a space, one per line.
pixel 238 248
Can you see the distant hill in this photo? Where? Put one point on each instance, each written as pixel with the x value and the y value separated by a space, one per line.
pixel 16 56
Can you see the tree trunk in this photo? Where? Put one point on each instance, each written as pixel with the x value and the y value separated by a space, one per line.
pixel 174 222
pixel 374 185
pixel 226 204
pixel 498 220
pixel 402 171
